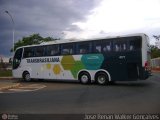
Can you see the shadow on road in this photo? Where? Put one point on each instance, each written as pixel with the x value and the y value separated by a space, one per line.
pixel 114 84
pixel 131 84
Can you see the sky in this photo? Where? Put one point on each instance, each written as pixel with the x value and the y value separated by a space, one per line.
pixel 69 19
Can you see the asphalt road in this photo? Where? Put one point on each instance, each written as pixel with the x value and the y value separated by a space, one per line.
pixel 65 97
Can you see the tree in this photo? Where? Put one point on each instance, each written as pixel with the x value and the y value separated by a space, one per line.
pixel 157 37
pixel 155 51
pixel 2 64
pixel 31 40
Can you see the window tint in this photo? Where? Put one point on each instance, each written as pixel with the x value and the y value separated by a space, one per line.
pixel 83 47
pixel 98 47
pixel 28 52
pixel 52 50
pixel 17 58
pixel 107 46
pixel 39 51
pixel 135 43
pixel 102 46
pixel 120 45
pixel 67 49
pixel 18 54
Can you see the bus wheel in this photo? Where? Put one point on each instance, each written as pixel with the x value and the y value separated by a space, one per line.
pixel 84 78
pixel 26 76
pixel 102 78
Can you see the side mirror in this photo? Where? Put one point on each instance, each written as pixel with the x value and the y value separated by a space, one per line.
pixel 10 60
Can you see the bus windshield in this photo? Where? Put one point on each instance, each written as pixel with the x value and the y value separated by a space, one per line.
pixel 17 58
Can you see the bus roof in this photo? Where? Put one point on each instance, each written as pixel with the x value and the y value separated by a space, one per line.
pixel 61 41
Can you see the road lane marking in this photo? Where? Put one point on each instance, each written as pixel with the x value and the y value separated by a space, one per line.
pixel 19 90
pixel 40 86
pixel 25 88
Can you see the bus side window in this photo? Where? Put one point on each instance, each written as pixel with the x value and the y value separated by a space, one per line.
pixel 67 49
pixel 107 46
pixel 131 48
pixel 52 50
pixel 124 47
pixel 134 45
pixel 102 46
pixel 39 51
pixel 83 48
pixel 120 45
pixel 97 47
pixel 117 47
pixel 28 52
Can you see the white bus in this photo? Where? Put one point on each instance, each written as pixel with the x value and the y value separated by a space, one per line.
pixel 121 58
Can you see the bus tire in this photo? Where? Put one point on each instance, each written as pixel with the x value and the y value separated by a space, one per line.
pixel 84 78
pixel 102 78
pixel 26 76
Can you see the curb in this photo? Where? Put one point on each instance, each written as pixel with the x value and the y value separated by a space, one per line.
pixel 7 78
pixel 11 86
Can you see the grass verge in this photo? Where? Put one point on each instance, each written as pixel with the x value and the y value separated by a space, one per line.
pixel 5 73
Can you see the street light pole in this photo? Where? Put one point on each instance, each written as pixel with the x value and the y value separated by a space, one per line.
pixel 13 30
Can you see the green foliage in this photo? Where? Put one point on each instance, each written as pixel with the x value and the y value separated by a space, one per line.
pixel 31 40
pixel 1 63
pixel 5 73
pixel 155 51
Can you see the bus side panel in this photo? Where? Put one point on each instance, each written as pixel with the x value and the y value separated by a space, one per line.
pixel 145 68
pixel 116 68
pixel 17 73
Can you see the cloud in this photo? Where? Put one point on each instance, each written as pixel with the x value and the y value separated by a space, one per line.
pixel 77 18
pixel 121 17
pixel 48 17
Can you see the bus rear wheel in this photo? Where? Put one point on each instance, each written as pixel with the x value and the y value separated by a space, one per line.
pixel 102 78
pixel 84 78
pixel 26 76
